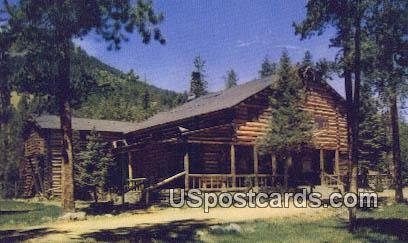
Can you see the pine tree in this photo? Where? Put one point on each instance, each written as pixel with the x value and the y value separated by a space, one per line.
pixel 388 27
pixel 45 31
pixel 198 83
pixel 289 128
pixel 146 100
pixel 307 60
pixel 373 140
pixel 92 167
pixel 11 151
pixel 268 68
pixel 231 79
pixel 350 19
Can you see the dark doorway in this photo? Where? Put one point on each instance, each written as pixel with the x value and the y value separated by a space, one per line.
pixel 329 161
pixel 310 167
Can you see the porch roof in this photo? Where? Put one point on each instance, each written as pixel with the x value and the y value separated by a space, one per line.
pixel 83 124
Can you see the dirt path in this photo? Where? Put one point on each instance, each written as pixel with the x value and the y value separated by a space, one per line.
pixel 162 224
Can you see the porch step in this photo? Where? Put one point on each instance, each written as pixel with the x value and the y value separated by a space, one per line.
pixel 133 197
pixel 162 197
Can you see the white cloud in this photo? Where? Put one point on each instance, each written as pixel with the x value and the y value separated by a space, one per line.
pixel 290 47
pixel 241 43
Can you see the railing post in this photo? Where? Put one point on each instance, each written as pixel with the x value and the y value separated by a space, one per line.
pixel 321 166
pixel 186 167
pixel 256 168
pixel 274 167
pixel 233 171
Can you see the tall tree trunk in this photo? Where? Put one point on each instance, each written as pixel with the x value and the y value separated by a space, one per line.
pixel 348 84
pixel 396 150
pixel 68 201
pixel 355 118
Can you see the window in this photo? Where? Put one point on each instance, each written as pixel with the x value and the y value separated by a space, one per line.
pixel 321 122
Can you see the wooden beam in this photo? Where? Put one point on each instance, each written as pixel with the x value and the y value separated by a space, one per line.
pixel 256 166
pixel 207 129
pixel 165 181
pixel 321 165
pixel 186 167
pixel 233 170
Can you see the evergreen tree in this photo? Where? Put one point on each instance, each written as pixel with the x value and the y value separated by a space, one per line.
pixel 11 151
pixel 198 83
pixel 388 25
pixel 289 128
pixel 93 164
pixel 350 19
pixel 307 69
pixel 268 68
pixel 373 140
pixel 45 32
pixel 146 100
pixel 231 79
pixel 307 60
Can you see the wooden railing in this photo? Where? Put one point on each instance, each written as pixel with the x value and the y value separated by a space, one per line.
pixel 217 182
pixel 165 181
pixel 136 184
pixel 332 179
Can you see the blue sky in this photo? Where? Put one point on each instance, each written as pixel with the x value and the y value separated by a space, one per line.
pixel 227 34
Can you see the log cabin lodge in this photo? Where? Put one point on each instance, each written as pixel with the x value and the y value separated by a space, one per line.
pixel 208 143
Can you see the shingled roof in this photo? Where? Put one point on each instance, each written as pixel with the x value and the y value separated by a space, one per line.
pixel 208 103
pixel 84 124
pixel 205 104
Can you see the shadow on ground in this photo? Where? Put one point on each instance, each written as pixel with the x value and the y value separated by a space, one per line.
pixel 392 227
pixel 21 235
pixel 176 231
pixel 11 212
pixel 102 208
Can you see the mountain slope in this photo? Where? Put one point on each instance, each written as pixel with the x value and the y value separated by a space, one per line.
pixel 122 96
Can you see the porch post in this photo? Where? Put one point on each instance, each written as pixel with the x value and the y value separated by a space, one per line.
pixel 337 161
pixel 256 167
pixel 233 171
pixel 186 168
pixel 321 166
pixel 288 163
pixel 130 169
pixel 274 166
pixel 123 177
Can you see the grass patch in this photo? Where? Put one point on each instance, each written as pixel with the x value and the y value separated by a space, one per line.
pixel 389 224
pixel 17 213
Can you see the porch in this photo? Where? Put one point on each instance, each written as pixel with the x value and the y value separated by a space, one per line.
pixel 238 167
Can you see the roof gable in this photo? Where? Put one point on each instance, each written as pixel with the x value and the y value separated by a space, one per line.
pixel 206 104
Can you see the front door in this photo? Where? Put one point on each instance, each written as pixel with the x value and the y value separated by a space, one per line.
pixel 310 167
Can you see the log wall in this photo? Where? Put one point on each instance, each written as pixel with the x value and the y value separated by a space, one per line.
pixel 157 161
pixel 242 124
pixel 46 145
pixel 252 115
